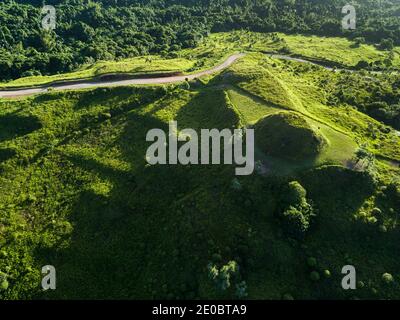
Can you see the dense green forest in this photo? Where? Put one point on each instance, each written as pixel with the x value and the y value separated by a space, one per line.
pixel 113 29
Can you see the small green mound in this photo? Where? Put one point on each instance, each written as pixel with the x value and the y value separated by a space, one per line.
pixel 288 135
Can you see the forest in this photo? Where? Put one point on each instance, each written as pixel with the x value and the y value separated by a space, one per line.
pixel 88 31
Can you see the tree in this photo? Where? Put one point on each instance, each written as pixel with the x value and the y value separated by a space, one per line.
pixel 297 220
pixel 224 276
pixel 364 157
pixel 297 213
pixel 294 194
pixel 386 44
pixel 362 64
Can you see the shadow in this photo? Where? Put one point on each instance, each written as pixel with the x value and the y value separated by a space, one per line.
pixel 6 154
pixel 114 95
pixel 12 126
pixel 209 109
pixel 125 242
pixel 47 97
pixel 148 232
pixel 338 238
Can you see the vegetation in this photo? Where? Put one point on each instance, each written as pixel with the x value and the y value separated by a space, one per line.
pixel 76 190
pixel 297 213
pixel 89 31
pixel 288 135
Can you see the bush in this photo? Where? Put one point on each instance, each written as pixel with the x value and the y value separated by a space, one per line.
pixel 236 185
pixel 383 229
pixel 3 282
pixel 4 285
pixel 287 296
pixel 362 64
pixel 223 277
pixel 387 278
pixel 295 193
pixel 297 220
pixel 376 212
pixel 327 274
pixel 312 262
pixel 386 44
pixel 241 290
pixel 359 40
pixel 314 276
pixel 297 213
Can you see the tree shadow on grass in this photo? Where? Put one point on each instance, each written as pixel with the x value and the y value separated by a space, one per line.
pixel 6 154
pixel 209 109
pixel 13 126
pixel 115 96
pixel 124 244
pixel 339 238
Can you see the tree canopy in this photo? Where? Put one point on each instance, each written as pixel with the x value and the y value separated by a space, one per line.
pixel 112 29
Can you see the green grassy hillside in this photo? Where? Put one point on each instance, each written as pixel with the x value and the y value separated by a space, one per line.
pixel 289 136
pixel 76 192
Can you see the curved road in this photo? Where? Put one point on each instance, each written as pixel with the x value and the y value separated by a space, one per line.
pixel 160 80
pixel 321 64
pixel 289 58
pixel 87 84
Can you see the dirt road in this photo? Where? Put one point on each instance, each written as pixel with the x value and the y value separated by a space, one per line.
pixel 104 83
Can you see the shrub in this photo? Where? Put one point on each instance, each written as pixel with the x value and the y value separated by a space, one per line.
pixel 362 64
pixel 3 282
pixel 105 116
pixel 327 274
pixel 216 257
pixel 383 229
pixel 223 277
pixel 4 285
pixel 241 290
pixel 312 262
pixel 359 40
pixel 297 220
pixel 386 44
pixel 295 193
pixel 387 278
pixel 236 185
pixel 287 296
pixel 372 220
pixel 185 85
pixel 213 271
pixel 314 276
pixel 296 212
pixel 376 212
